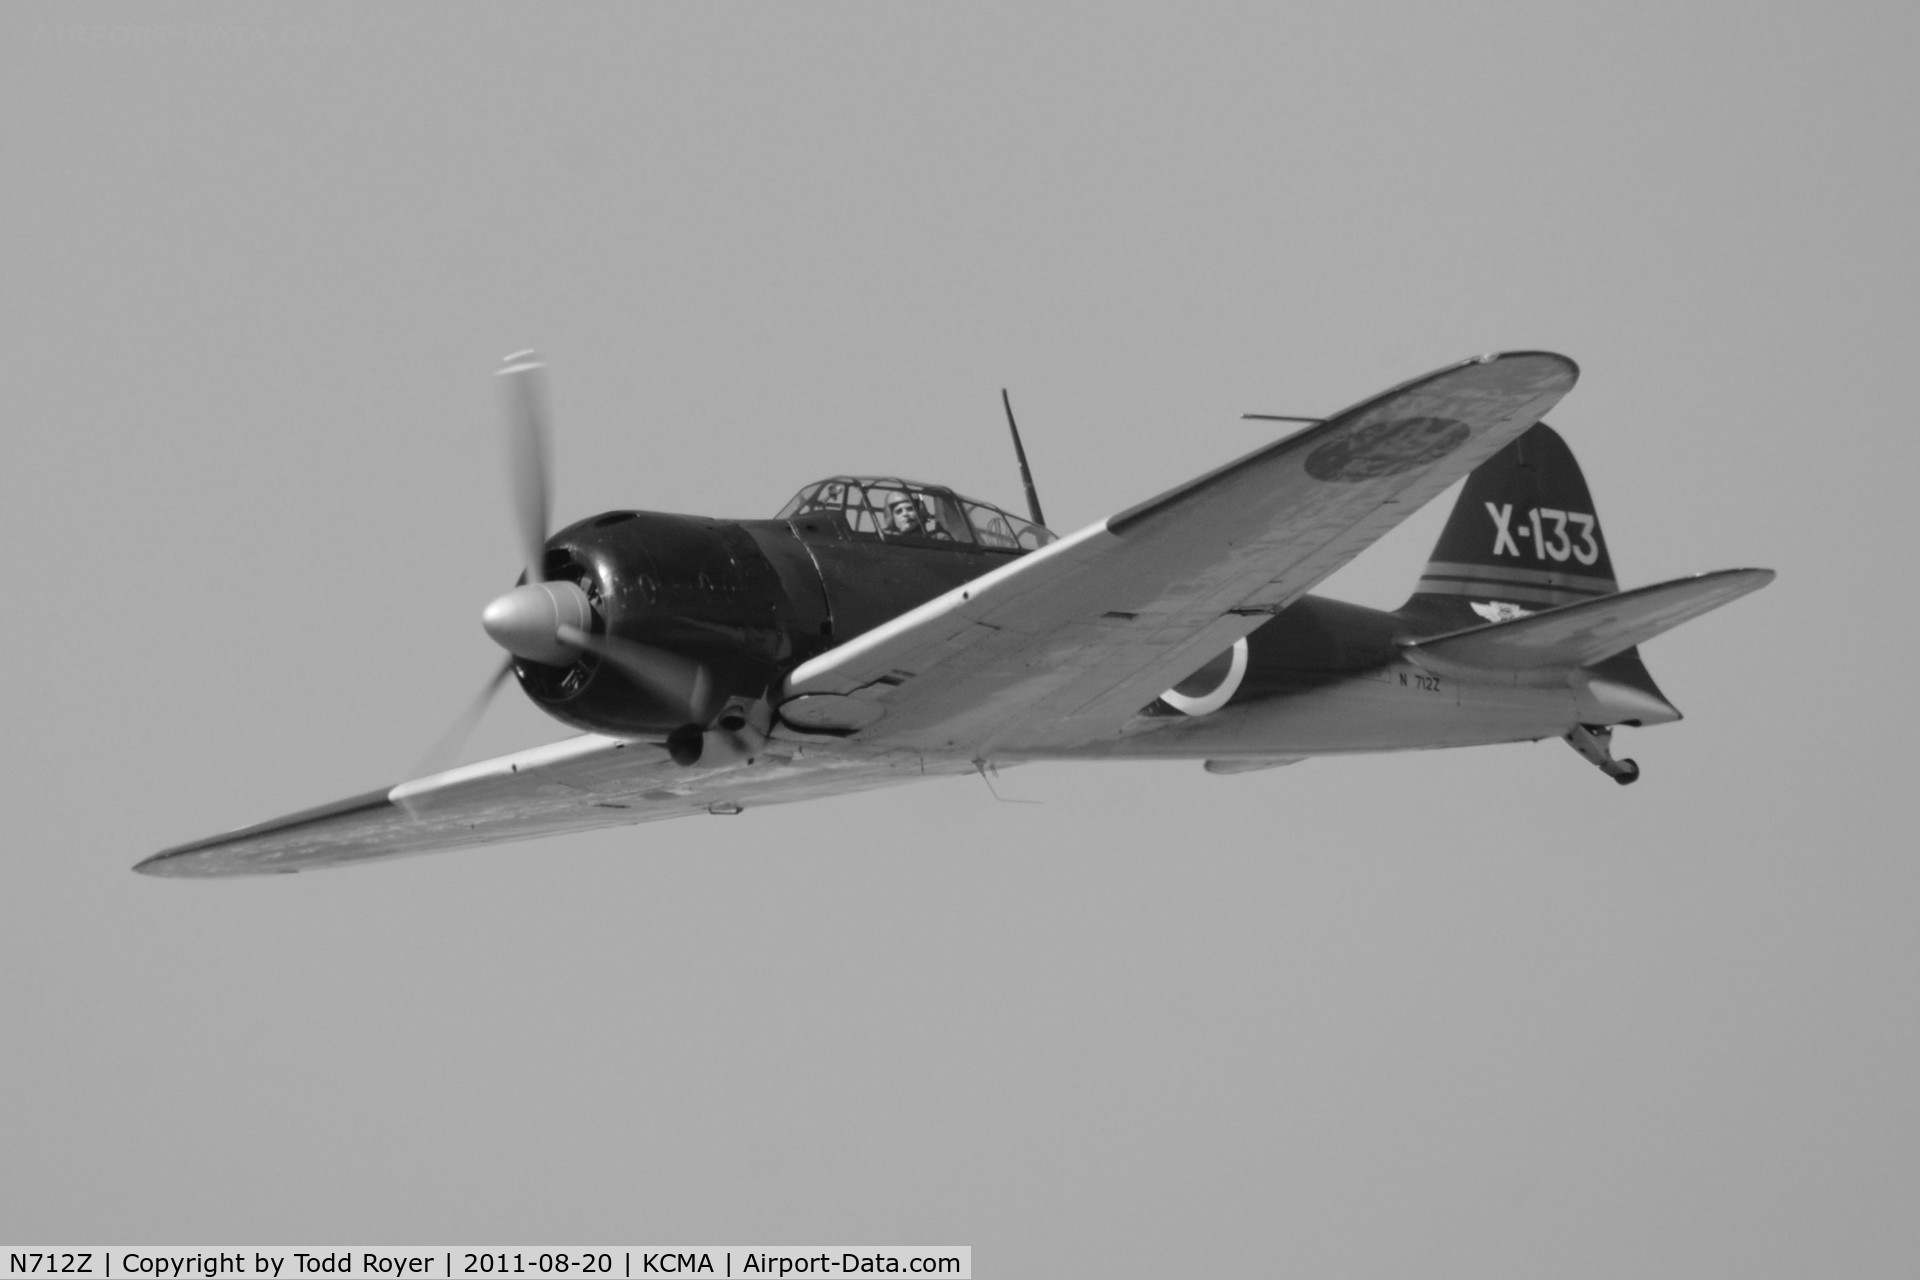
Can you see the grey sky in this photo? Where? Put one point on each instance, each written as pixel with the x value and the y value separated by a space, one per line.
pixel 1476 1013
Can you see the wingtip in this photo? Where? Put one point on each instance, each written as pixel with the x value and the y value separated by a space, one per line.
pixel 1749 579
pixel 1566 362
pixel 169 865
pixel 181 865
pixel 225 855
pixel 1568 366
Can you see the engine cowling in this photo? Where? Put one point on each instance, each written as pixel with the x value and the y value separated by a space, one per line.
pixel 691 586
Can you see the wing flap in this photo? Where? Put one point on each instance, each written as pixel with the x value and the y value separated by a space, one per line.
pixel 1578 635
pixel 1065 645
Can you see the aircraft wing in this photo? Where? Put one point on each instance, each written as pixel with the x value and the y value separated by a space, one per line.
pixel 1066 645
pixel 575 785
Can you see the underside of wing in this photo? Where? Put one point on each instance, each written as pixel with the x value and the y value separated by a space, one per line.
pixel 576 785
pixel 1578 635
pixel 1064 646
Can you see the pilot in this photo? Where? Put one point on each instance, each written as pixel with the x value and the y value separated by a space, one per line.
pixel 909 518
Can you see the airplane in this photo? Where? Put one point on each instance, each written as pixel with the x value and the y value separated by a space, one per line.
pixel 878 631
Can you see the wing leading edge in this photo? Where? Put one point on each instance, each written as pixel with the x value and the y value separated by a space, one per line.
pixel 1065 645
pixel 580 784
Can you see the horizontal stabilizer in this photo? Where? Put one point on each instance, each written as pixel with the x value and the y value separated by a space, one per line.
pixel 1579 635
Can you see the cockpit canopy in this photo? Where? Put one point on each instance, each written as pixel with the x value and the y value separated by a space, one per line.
pixel 905 510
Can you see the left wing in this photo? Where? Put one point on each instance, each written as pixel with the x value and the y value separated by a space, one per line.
pixel 1065 645
pixel 575 785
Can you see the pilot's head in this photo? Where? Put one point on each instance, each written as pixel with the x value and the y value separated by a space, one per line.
pixel 906 516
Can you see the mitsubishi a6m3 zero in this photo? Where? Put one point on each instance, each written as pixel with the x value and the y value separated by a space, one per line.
pixel 878 630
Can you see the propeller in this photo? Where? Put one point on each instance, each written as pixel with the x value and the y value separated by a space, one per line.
pixel 529 472
pixel 442 755
pixel 676 680
pixel 551 621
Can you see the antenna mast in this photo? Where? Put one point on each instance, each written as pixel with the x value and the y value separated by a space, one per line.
pixel 1026 474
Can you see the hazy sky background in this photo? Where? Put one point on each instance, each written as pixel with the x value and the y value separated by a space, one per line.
pixel 1474 1013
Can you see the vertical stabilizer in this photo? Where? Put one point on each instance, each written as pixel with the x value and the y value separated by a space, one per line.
pixel 1523 537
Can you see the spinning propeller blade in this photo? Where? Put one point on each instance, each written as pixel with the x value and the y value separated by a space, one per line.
pixel 442 754
pixel 680 682
pixel 524 379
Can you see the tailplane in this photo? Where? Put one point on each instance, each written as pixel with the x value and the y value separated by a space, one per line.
pixel 1583 634
pixel 1521 590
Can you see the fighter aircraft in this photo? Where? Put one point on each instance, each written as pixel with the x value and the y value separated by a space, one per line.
pixel 879 630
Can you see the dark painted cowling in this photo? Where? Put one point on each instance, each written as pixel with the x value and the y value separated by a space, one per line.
pixel 696 587
pixel 748 598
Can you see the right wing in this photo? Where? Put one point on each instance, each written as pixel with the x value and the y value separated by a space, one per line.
pixel 1064 646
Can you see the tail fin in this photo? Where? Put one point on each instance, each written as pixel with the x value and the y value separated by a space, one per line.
pixel 1524 542
pixel 1522 537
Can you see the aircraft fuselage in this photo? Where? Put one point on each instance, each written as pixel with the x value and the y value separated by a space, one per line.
pixel 754 598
